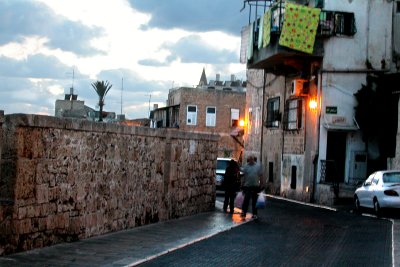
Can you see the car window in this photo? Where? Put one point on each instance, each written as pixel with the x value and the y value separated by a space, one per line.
pixel 391 177
pixel 368 181
pixel 222 164
pixel 375 181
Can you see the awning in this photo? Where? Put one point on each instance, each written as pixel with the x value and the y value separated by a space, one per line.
pixel 333 125
pixel 340 127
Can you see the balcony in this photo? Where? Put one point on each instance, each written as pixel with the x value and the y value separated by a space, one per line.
pixel 282 60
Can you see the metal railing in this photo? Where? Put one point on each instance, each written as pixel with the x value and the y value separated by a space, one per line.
pixel 329 174
pixel 331 23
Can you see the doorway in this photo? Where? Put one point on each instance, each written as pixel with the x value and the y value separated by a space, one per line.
pixel 336 154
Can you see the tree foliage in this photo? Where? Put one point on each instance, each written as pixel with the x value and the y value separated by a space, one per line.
pixel 101 88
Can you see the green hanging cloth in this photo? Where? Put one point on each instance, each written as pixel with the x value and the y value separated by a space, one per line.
pixel 266 37
pixel 299 27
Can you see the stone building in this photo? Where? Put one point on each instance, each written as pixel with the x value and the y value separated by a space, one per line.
pixel 71 107
pixel 304 98
pixel 211 107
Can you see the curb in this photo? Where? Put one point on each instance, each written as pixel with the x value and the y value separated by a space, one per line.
pixel 218 208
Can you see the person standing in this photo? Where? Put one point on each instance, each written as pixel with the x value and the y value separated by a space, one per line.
pixel 252 184
pixel 230 185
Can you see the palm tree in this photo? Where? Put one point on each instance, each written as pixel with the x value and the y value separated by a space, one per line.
pixel 101 89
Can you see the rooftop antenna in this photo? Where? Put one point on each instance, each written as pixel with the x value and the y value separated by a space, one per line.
pixel 71 90
pixel 122 90
pixel 149 104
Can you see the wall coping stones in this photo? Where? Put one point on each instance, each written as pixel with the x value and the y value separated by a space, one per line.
pixel 32 120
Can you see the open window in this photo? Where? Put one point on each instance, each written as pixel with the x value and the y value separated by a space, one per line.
pixel 234 117
pixel 273 114
pixel 191 116
pixel 337 23
pixel 293 114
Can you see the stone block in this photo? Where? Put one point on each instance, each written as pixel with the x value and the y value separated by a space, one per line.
pixel 42 193
pixel 23 226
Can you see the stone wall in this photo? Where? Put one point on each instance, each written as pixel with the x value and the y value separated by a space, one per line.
pixel 65 180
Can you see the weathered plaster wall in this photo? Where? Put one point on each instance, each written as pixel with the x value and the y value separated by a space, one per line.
pixel 64 179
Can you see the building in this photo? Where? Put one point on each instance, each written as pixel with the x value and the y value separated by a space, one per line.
pixel 213 107
pixel 307 62
pixel 71 107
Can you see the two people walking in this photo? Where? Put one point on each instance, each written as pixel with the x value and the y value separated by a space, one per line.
pixel 251 184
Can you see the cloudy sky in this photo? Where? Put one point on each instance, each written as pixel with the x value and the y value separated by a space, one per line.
pixel 46 46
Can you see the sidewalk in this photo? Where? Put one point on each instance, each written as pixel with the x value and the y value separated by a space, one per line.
pixel 130 247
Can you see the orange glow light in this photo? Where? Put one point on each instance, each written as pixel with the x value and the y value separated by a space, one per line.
pixel 241 123
pixel 313 104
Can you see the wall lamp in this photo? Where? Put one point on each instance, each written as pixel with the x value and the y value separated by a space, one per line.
pixel 313 104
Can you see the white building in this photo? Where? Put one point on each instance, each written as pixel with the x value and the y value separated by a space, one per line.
pixel 306 150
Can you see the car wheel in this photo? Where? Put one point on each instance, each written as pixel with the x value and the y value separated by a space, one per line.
pixel 357 207
pixel 377 207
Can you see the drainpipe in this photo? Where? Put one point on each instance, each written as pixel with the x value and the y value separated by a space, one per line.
pixel 283 128
pixel 316 157
pixel 262 117
pixel 368 15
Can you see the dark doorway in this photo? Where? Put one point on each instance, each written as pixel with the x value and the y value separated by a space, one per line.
pixel 336 154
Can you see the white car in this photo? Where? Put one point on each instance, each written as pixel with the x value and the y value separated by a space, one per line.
pixel 380 190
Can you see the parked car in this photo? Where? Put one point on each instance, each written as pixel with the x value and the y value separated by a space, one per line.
pixel 222 163
pixel 380 190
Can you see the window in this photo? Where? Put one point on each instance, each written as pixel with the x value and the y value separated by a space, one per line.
pixel 345 23
pixel 273 114
pixel 271 172
pixel 250 120
pixel 391 177
pixel 293 114
pixel 319 3
pixel 210 116
pixel 257 120
pixel 293 182
pixel 337 23
pixel 191 118
pixel 234 117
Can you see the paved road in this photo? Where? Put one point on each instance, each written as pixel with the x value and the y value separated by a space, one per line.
pixel 289 234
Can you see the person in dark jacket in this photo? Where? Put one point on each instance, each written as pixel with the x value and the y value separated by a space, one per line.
pixel 230 185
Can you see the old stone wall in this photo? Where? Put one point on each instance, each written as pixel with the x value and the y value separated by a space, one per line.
pixel 64 180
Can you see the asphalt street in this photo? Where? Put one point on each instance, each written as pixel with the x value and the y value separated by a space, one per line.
pixel 290 234
pixel 287 233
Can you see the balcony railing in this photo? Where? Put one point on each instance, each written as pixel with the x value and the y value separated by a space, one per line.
pixel 331 23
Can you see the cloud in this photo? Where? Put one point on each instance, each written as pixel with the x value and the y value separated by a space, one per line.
pixel 35 66
pixel 151 44
pixel 192 49
pixel 37 95
pixel 19 19
pixel 153 63
pixel 199 16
